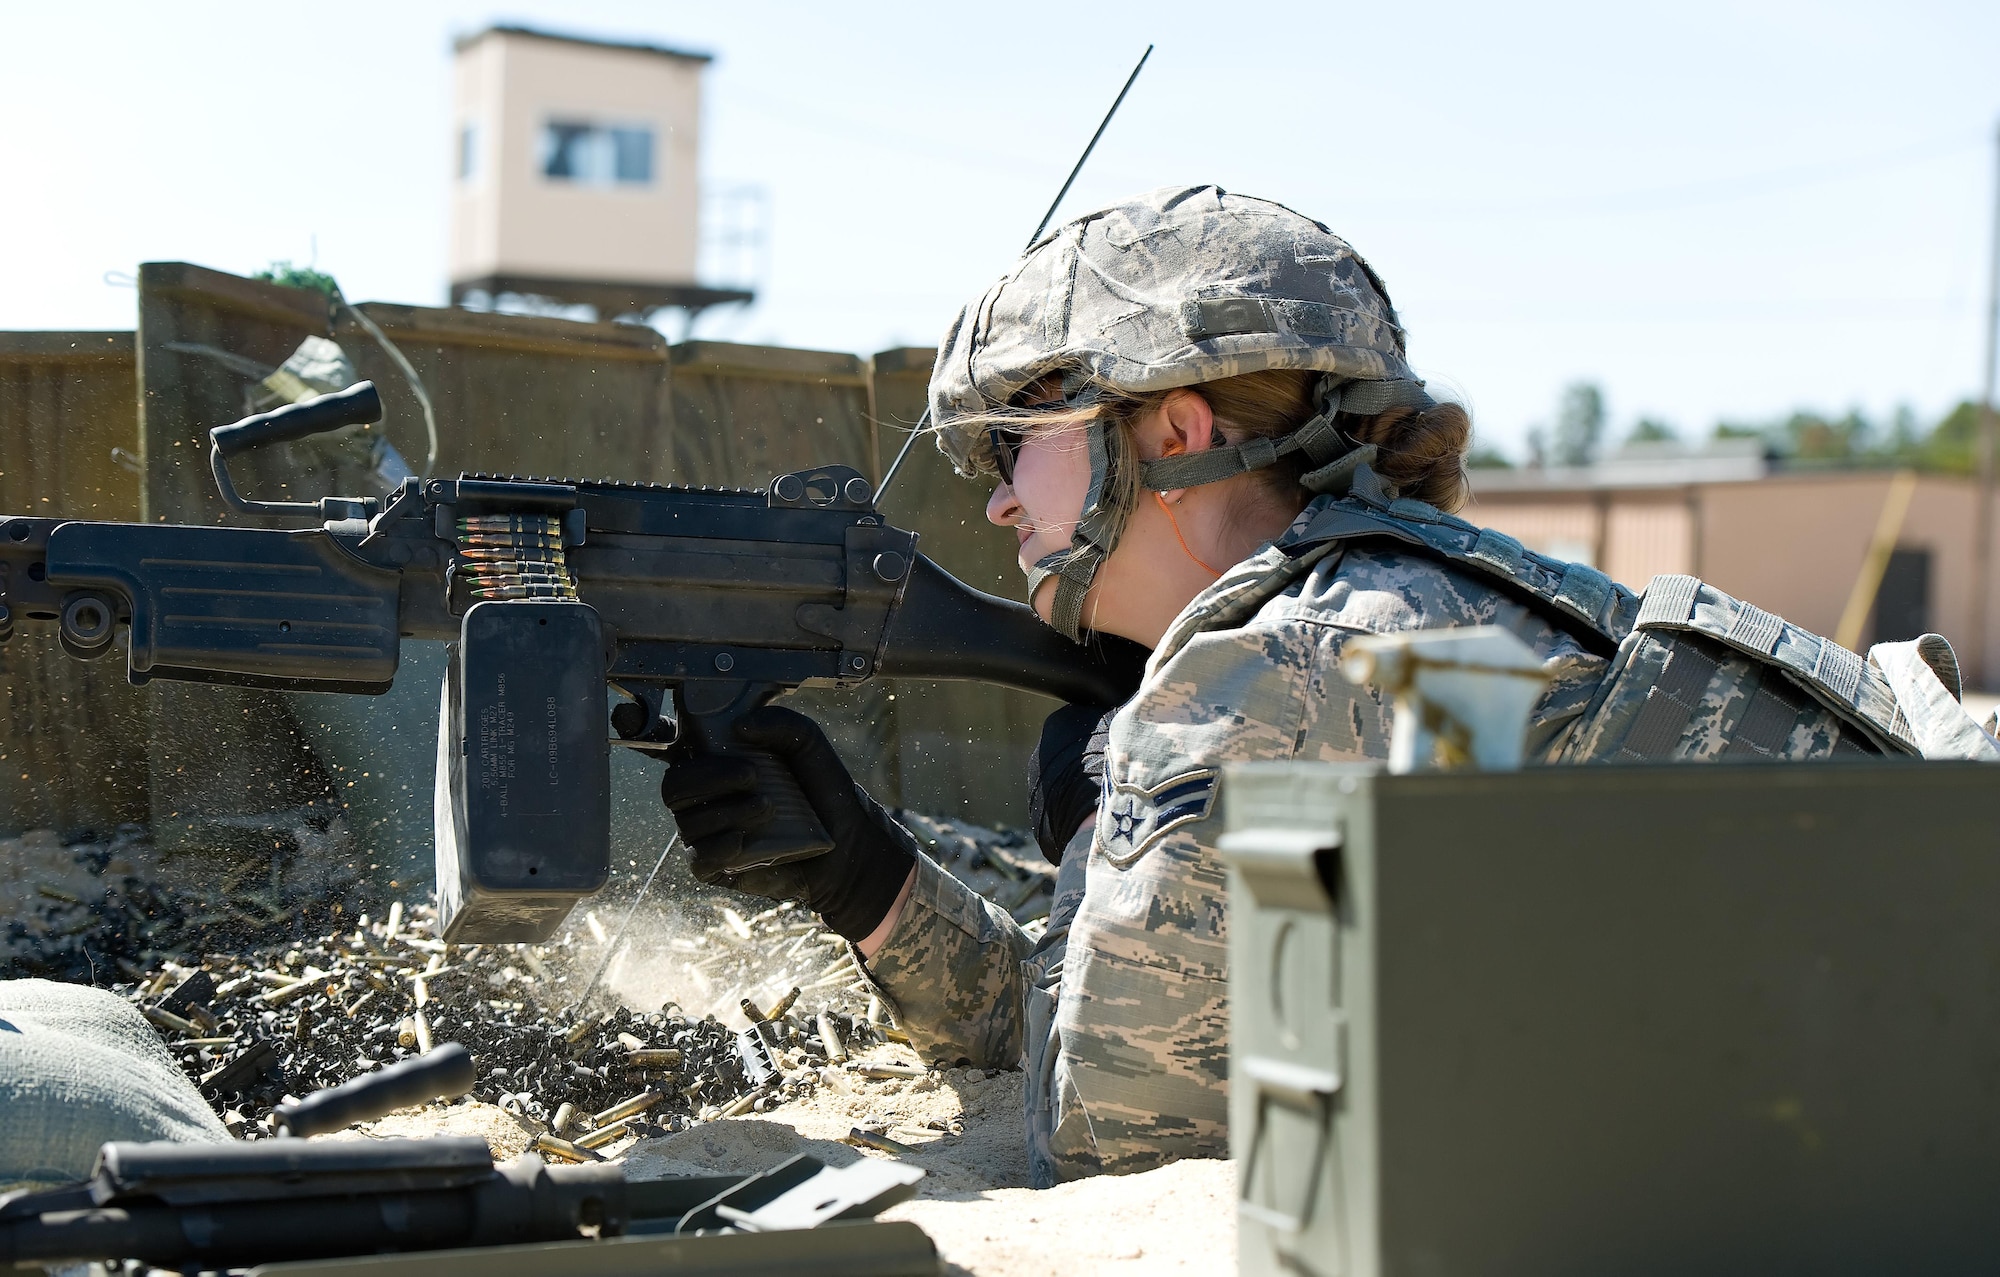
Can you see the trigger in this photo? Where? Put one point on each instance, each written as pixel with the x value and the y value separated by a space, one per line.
pixel 644 723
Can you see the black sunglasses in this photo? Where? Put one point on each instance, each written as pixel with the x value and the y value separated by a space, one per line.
pixel 1006 445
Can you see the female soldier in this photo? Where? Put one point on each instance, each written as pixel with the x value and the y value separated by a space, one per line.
pixel 1207 440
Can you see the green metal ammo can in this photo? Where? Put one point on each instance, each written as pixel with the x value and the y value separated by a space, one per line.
pixel 1635 1020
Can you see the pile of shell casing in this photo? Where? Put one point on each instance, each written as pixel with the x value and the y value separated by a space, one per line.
pixel 1004 865
pixel 263 985
pixel 252 1028
pixel 97 910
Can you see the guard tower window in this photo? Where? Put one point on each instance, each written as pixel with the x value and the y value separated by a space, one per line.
pixel 597 154
pixel 468 152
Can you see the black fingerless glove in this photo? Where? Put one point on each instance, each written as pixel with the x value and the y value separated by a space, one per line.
pixel 715 801
pixel 1066 775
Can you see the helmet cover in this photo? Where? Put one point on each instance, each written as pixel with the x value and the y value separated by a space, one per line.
pixel 1175 287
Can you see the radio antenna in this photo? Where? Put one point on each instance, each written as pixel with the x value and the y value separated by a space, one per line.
pixel 1081 159
pixel 924 422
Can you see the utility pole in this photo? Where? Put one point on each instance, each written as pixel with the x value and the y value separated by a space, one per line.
pixel 1982 522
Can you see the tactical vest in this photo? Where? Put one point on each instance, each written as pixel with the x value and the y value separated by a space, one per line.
pixel 1694 674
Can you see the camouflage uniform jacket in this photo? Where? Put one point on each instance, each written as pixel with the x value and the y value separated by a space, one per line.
pixel 1119 1012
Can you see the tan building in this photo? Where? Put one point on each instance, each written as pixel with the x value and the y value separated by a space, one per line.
pixel 577 172
pixel 1794 542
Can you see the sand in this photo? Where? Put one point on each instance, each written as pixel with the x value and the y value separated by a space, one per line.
pixel 973 1200
pixel 503 1134
pixel 1178 1219
pixel 964 1127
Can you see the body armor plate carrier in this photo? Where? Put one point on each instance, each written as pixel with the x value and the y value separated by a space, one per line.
pixel 1694 674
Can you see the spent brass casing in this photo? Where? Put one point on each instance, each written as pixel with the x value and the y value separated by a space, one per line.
pixel 564 1149
pixel 628 1108
pixel 881 1142
pixel 653 1057
pixel 829 1036
pixel 604 1135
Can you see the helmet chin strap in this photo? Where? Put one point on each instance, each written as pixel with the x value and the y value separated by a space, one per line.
pixel 1095 535
pixel 1102 521
pixel 1073 569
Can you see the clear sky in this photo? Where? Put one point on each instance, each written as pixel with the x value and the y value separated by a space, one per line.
pixel 1715 210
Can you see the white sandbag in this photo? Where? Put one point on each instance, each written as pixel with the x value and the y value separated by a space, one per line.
pixel 79 1067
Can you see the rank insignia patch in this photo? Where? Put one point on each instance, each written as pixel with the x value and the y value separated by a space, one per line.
pixel 1134 819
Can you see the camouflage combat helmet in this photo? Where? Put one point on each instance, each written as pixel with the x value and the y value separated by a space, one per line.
pixel 1176 287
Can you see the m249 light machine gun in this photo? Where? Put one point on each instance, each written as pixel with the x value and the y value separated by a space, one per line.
pixel 695 605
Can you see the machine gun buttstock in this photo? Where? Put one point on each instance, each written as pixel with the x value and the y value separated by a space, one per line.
pixel 945 629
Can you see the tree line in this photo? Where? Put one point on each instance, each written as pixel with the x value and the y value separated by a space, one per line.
pixel 1579 435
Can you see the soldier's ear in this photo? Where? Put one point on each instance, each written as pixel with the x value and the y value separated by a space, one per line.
pixel 1184 422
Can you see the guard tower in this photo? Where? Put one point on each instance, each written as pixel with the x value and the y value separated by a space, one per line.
pixel 576 173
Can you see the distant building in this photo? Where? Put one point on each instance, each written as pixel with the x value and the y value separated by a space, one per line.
pixel 1792 541
pixel 577 173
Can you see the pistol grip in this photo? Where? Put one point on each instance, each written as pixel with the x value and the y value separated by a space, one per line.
pixel 795 831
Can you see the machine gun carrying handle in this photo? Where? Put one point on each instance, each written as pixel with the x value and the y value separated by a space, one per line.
pixel 445 1073
pixel 358 405
pixel 355 406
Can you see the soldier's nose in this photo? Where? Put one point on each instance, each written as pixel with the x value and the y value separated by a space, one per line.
pixel 1003 509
